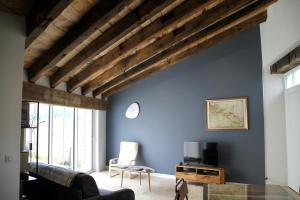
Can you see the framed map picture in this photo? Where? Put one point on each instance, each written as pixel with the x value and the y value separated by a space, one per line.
pixel 227 114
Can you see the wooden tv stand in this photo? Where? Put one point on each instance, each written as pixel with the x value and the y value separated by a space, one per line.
pixel 200 174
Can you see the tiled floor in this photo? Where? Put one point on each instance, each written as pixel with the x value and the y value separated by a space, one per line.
pixel 163 186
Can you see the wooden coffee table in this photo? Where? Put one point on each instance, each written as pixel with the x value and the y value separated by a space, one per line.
pixel 140 170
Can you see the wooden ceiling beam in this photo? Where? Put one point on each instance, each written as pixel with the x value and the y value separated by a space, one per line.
pixel 287 63
pixel 32 92
pixel 118 33
pixel 191 42
pixel 175 19
pixel 184 55
pixel 17 7
pixel 41 16
pixel 196 25
pixel 98 18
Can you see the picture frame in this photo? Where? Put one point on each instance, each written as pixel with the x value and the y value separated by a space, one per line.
pixel 227 114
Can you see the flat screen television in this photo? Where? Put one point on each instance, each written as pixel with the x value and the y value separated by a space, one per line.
pixel 210 153
pixel 192 152
pixel 201 153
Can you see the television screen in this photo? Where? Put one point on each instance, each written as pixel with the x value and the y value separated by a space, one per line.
pixel 192 152
pixel 200 153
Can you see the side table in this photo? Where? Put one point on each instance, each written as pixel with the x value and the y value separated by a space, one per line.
pixel 140 170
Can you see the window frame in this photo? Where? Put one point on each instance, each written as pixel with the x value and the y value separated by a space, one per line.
pixel 92 139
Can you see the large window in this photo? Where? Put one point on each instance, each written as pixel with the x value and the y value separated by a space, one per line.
pixel 292 78
pixel 65 137
pixel 44 133
pixel 62 136
pixel 84 140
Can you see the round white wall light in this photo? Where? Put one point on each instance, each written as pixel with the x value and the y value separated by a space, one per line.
pixel 133 110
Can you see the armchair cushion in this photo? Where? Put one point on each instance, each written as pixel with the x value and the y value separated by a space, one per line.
pixel 128 153
pixel 127 156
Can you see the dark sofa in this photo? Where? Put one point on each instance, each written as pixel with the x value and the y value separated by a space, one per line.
pixel 83 188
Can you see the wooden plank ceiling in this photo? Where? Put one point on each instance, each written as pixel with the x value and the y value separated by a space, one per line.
pixel 103 46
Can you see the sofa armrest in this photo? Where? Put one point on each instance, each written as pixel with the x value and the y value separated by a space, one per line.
pixel 93 198
pixel 123 194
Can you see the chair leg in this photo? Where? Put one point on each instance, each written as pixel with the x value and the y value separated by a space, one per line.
pixel 140 178
pixel 109 169
pixel 122 178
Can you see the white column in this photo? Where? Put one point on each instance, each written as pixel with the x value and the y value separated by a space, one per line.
pixel 99 140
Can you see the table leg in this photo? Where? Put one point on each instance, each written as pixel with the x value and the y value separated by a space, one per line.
pixel 122 174
pixel 140 178
pixel 149 181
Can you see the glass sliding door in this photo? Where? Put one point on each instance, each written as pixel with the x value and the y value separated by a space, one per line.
pixel 65 137
pixel 62 136
pixel 84 140
pixel 44 133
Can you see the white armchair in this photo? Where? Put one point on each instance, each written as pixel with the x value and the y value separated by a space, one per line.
pixel 127 156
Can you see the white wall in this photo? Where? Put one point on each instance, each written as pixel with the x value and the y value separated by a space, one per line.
pixel 279 35
pixel 281 32
pixel 12 40
pixel 292 110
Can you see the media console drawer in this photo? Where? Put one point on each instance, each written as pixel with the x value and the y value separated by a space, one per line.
pixel 200 174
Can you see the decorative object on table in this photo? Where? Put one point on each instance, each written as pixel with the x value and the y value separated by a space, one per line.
pixel 127 156
pixel 133 110
pixel 227 114
pixel 181 190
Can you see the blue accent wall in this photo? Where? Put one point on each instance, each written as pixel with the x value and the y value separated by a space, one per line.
pixel 172 110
